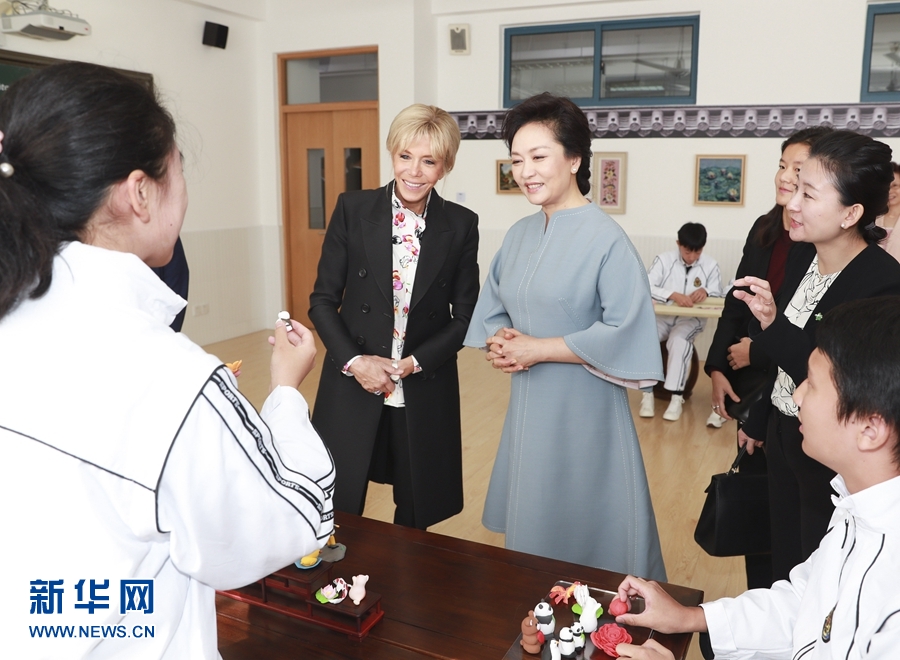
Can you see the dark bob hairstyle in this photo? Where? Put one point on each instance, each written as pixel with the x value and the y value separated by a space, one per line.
pixel 567 121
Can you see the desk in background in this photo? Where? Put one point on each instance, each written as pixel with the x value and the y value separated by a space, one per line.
pixel 711 308
pixel 442 598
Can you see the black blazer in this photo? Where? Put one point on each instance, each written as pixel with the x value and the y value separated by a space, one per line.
pixel 873 272
pixel 736 316
pixel 353 311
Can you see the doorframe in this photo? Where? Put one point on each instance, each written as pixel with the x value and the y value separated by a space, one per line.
pixel 283 111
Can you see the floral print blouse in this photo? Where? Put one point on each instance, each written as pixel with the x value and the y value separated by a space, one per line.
pixel 407 227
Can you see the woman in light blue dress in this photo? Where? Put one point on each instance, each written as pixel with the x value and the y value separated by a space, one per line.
pixel 566 311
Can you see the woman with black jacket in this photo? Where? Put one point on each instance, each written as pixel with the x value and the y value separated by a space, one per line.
pixel 842 188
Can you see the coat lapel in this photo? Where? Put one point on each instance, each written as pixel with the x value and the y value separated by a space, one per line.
pixel 434 244
pixel 376 234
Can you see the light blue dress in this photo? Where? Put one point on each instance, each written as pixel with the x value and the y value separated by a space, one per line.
pixel 569 480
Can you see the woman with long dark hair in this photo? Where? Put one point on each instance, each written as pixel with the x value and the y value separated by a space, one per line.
pixel 131 463
pixel 842 187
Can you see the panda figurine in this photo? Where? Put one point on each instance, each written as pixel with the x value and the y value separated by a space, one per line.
pixel 578 635
pixel 546 621
pixel 566 643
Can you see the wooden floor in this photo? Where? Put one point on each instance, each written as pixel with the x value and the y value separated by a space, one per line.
pixel 679 456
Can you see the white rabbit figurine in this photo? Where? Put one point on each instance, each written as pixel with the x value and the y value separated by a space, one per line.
pixel 358 590
pixel 589 607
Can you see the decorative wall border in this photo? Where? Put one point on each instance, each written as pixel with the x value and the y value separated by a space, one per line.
pixel 877 120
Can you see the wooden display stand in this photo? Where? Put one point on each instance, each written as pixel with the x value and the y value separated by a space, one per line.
pixel 292 591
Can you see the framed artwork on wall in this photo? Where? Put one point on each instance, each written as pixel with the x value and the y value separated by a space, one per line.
pixel 608 189
pixel 505 182
pixel 720 180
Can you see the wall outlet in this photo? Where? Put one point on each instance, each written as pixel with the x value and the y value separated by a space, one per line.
pixel 460 198
pixel 201 310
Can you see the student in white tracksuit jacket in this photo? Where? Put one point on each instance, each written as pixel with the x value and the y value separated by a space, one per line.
pixel 844 601
pixel 682 277
pixel 129 456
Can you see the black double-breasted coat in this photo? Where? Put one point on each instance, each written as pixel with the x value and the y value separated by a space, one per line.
pixel 353 311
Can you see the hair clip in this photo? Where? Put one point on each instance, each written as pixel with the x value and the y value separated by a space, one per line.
pixel 6 170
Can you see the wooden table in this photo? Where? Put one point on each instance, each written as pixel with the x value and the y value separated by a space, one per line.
pixel 711 308
pixel 442 598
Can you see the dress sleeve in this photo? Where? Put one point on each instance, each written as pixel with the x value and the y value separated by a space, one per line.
pixel 243 494
pixel 623 342
pixel 490 315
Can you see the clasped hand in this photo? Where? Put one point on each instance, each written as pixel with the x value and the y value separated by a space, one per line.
pixel 510 351
pixel 373 373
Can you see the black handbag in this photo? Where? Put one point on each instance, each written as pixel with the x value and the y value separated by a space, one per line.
pixel 735 517
pixel 748 383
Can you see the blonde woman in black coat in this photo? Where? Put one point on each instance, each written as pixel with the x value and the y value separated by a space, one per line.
pixel 396 286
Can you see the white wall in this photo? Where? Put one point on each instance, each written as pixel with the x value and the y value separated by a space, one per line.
pixel 225 101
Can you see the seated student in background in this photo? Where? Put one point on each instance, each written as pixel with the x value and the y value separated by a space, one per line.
pixel 844 601
pixel 685 276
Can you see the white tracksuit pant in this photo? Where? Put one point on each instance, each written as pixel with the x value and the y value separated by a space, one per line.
pixel 678 332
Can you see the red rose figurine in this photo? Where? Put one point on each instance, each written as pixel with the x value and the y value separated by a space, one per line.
pixel 618 607
pixel 608 636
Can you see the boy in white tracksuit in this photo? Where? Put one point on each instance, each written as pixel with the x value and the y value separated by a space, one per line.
pixel 844 601
pixel 681 277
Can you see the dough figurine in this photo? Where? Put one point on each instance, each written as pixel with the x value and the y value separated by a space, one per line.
pixel 332 593
pixel 309 561
pixel 333 551
pixel 590 608
pixel 532 638
pixel 566 643
pixel 554 650
pixel 235 367
pixel 546 621
pixel 618 607
pixel 578 636
pixel 286 317
pixel 358 589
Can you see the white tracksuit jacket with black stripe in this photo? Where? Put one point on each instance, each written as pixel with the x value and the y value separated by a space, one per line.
pixel 852 581
pixel 129 454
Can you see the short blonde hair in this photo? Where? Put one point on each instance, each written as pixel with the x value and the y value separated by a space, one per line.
pixel 429 121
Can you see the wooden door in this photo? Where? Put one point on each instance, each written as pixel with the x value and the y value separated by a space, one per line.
pixel 328 149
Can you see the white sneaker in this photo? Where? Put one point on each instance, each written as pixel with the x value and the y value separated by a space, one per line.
pixel 673 412
pixel 715 420
pixel 647 405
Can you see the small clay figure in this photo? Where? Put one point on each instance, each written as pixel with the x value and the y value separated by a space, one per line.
pixel 590 608
pixel 332 593
pixel 358 588
pixel 578 635
pixel 555 653
pixel 566 643
pixel 546 621
pixel 618 607
pixel 531 637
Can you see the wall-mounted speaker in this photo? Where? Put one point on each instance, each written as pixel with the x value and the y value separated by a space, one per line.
pixel 215 35
pixel 459 39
